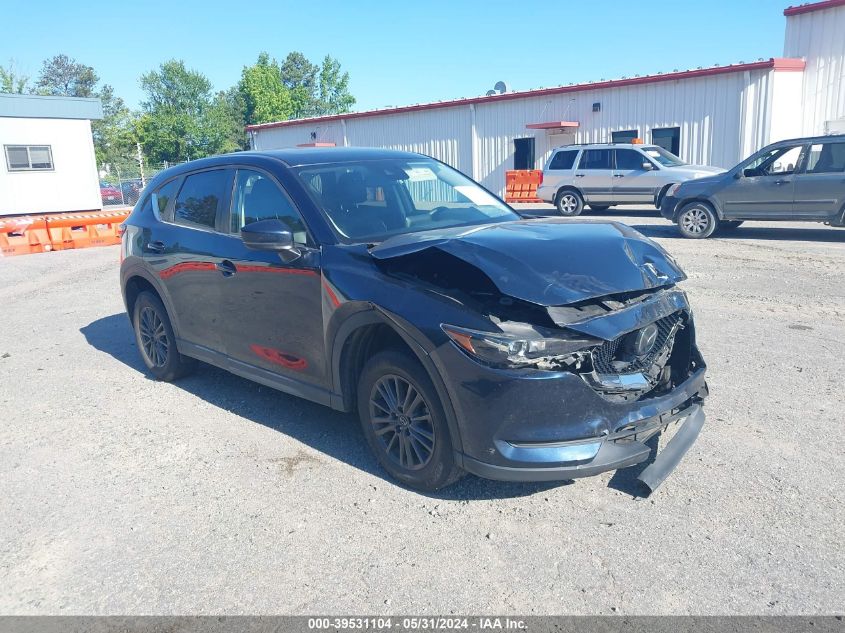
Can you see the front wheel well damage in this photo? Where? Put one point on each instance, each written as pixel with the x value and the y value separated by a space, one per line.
pixel 362 344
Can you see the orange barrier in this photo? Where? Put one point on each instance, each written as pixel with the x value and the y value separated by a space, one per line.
pixel 521 185
pixel 84 230
pixel 24 235
pixel 62 231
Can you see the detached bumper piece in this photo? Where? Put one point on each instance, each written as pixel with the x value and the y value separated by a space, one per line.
pixel 591 457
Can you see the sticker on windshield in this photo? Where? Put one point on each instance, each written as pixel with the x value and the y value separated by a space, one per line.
pixel 418 174
pixel 476 195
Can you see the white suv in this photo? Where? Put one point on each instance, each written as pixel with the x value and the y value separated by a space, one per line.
pixel 602 175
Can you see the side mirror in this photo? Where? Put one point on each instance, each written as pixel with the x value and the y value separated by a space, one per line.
pixel 270 235
pixel 647 166
pixel 749 172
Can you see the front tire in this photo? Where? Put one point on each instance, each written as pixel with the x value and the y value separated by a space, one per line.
pixel 569 203
pixel 156 340
pixel 697 221
pixel 404 423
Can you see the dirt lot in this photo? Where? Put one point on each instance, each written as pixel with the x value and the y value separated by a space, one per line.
pixel 120 495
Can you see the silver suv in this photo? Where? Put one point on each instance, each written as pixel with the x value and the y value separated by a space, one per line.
pixel 602 175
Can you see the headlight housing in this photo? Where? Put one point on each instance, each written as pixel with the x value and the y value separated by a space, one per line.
pixel 521 345
pixel 672 189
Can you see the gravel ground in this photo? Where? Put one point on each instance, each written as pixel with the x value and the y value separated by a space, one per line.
pixel 121 495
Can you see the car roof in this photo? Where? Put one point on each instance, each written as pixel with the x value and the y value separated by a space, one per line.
pixel 606 145
pixel 299 156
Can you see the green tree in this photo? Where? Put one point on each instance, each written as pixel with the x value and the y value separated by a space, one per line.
pixel 181 119
pixel 115 135
pixel 333 95
pixel 11 81
pixel 264 95
pixel 63 76
pixel 316 90
pixel 300 77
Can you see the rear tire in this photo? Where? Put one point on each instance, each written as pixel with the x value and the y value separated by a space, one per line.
pixel 569 203
pixel 404 423
pixel 697 220
pixel 599 207
pixel 156 340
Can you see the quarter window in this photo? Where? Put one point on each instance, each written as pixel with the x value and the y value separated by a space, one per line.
pixel 563 160
pixel 595 159
pixel 826 158
pixel 29 157
pixel 258 198
pixel 201 197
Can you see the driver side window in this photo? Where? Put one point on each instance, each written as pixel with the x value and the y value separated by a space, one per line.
pixel 257 197
pixel 778 162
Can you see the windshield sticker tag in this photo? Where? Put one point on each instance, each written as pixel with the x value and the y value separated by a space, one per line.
pixel 418 174
pixel 476 195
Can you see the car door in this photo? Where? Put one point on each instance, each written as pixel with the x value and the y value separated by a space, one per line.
pixel 594 175
pixel 184 251
pixel 763 189
pixel 633 181
pixel 820 186
pixel 272 307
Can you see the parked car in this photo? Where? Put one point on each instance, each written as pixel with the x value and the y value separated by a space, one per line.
pixel 131 190
pixel 110 194
pixel 602 175
pixel 387 283
pixel 799 179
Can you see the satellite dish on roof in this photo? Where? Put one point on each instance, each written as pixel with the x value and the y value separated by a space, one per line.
pixel 501 87
pixel 490 93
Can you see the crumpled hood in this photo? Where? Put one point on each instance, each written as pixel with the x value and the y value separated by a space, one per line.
pixel 550 262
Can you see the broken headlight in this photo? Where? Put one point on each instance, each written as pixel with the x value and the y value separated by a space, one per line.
pixel 522 345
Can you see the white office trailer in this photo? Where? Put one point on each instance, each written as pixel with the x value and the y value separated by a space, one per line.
pixel 48 162
pixel 716 115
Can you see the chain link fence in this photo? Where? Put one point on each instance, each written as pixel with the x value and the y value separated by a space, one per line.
pixel 121 183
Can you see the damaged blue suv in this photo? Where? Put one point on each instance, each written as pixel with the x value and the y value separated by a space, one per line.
pixel 387 283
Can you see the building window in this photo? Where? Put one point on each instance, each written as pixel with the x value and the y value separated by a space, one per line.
pixel 28 157
pixel 624 136
pixel 523 157
pixel 669 138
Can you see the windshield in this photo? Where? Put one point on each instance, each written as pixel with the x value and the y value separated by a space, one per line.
pixel 369 201
pixel 667 159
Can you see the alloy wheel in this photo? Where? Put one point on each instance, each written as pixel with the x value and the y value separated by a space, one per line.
pixel 568 203
pixel 695 221
pixel 154 339
pixel 401 420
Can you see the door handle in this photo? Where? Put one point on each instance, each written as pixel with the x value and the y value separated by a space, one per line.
pixel 579 175
pixel 226 267
pixel 156 247
pixel 618 175
pixel 782 182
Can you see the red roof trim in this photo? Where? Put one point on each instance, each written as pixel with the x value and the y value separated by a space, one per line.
pixel 814 6
pixel 782 64
pixel 549 125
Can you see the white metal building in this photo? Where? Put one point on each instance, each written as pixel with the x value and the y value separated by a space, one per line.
pixel 715 115
pixel 48 154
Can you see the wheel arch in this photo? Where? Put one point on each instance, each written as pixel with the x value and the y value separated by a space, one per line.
pixel 708 201
pixel 370 330
pixel 137 280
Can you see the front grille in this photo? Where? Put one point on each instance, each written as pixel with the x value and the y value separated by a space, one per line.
pixel 612 357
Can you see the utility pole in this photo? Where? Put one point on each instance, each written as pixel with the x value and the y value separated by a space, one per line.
pixel 140 157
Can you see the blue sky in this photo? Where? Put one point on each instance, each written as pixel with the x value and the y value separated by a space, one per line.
pixel 397 53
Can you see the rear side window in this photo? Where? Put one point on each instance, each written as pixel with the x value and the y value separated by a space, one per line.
pixel 826 158
pixel 595 159
pixel 258 198
pixel 563 160
pixel 201 197
pixel 161 197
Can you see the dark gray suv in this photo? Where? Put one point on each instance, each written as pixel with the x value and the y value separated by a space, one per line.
pixel 798 179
